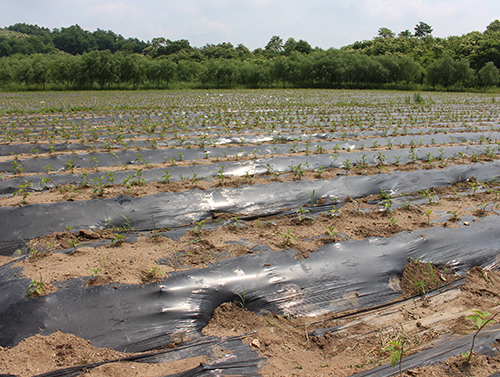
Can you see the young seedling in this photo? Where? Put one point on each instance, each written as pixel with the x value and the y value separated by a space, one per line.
pixel 392 220
pixel 302 214
pixel 235 224
pixel 319 172
pixel 95 273
pixel 297 170
pixel 166 177
pixel 155 272
pixel 118 239
pixel 481 319
pixel 397 351
pixel 74 243
pixel 198 230
pixel 334 212
pixel 384 195
pixel 35 288
pixel 43 182
pixel 289 238
pixel 23 190
pixel 387 205
pixel 454 217
pixel 17 168
pixel 331 232
pixel 428 213
pixel 221 175
pixel 481 207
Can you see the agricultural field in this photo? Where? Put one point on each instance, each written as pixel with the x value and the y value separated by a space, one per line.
pixel 249 233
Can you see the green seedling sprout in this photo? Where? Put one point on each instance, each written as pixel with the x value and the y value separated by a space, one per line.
pixel 166 177
pixel 118 239
pixel 154 272
pixel 481 319
pixel 302 213
pixel 397 351
pixel 331 232
pixel 289 238
pixel 23 190
pixel 35 287
pixel 95 273
pixel 74 243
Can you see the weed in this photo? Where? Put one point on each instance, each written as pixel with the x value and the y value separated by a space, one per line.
pixel 313 204
pixel 242 297
pixel 128 225
pixel 421 284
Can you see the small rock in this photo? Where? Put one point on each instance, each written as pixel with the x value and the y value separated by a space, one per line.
pixel 256 343
pixel 466 223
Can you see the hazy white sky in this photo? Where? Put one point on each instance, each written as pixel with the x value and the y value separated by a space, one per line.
pixel 323 23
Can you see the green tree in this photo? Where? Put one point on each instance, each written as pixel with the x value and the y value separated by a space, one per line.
pixel 489 75
pixel 275 44
pixel 494 26
pixel 161 70
pixel 422 30
pixel 6 74
pixel 405 34
pixel 24 73
pixel 73 40
pixel 384 32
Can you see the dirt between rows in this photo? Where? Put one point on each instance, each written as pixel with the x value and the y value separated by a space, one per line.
pixel 286 343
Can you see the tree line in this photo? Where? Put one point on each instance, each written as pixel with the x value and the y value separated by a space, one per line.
pixel 73 58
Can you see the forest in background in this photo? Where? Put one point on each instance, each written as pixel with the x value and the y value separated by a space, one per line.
pixel 36 58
